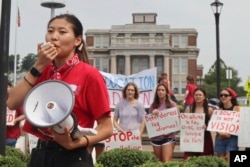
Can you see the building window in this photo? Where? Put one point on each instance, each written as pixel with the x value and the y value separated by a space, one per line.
pixel 183 87
pixel 102 64
pixel 121 65
pixel 105 41
pixel 180 65
pixel 184 66
pixel 180 41
pixel 159 64
pixel 101 41
pixel 97 41
pixel 175 66
pixel 159 38
pixel 139 64
pixel 175 87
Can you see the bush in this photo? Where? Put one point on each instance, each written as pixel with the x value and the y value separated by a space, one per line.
pixel 9 161
pixel 125 158
pixel 13 158
pixel 167 164
pixel 205 161
pixel 200 161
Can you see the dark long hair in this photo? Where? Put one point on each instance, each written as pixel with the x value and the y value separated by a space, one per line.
pixel 77 27
pixel 156 102
pixel 205 104
pixel 233 99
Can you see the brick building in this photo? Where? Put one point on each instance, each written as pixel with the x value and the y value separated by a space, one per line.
pixel 130 48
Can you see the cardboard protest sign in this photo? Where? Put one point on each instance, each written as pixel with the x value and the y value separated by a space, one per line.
pixel 244 130
pixel 166 122
pixel 128 140
pixel 224 121
pixel 192 133
pixel 10 117
pixel 32 142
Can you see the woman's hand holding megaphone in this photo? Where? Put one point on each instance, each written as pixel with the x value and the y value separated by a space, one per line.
pixel 65 139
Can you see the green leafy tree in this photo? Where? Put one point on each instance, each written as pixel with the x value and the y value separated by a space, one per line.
pixel 11 63
pixel 28 61
pixel 210 78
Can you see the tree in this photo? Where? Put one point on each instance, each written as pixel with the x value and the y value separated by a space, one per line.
pixel 209 83
pixel 28 61
pixel 11 63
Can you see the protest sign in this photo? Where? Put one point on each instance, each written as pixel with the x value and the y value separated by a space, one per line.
pixel 244 130
pixel 145 80
pixel 165 122
pixel 224 121
pixel 128 140
pixel 192 133
pixel 10 117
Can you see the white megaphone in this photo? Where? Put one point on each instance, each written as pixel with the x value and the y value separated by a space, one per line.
pixel 50 104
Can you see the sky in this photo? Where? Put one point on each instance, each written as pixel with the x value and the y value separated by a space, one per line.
pixel 102 14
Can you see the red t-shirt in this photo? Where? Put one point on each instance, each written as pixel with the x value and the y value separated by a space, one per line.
pixel 91 96
pixel 14 132
pixel 190 97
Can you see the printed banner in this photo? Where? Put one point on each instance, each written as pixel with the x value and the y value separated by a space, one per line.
pixel 166 122
pixel 146 81
pixel 10 117
pixel 225 121
pixel 128 140
pixel 192 133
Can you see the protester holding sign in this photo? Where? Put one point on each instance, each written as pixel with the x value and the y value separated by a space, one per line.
pixel 164 144
pixel 14 117
pixel 200 105
pixel 224 142
pixel 129 113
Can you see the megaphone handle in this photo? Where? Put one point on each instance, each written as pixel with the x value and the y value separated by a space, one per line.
pixel 84 131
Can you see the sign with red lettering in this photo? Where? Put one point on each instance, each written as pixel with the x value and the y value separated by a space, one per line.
pixel 192 133
pixel 128 140
pixel 167 121
pixel 244 130
pixel 10 117
pixel 225 121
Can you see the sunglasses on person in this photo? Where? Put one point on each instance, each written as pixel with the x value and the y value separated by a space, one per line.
pixel 224 95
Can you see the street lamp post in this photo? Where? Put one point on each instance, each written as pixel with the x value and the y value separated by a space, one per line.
pixel 217 6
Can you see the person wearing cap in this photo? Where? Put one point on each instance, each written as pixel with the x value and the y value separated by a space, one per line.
pixel 225 142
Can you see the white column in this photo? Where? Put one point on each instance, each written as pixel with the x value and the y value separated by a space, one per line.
pixel 166 64
pixel 151 61
pixel 113 69
pixel 127 65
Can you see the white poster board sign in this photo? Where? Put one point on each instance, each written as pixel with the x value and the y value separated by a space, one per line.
pixel 146 81
pixel 10 117
pixel 167 121
pixel 192 133
pixel 224 121
pixel 128 140
pixel 32 141
pixel 244 127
